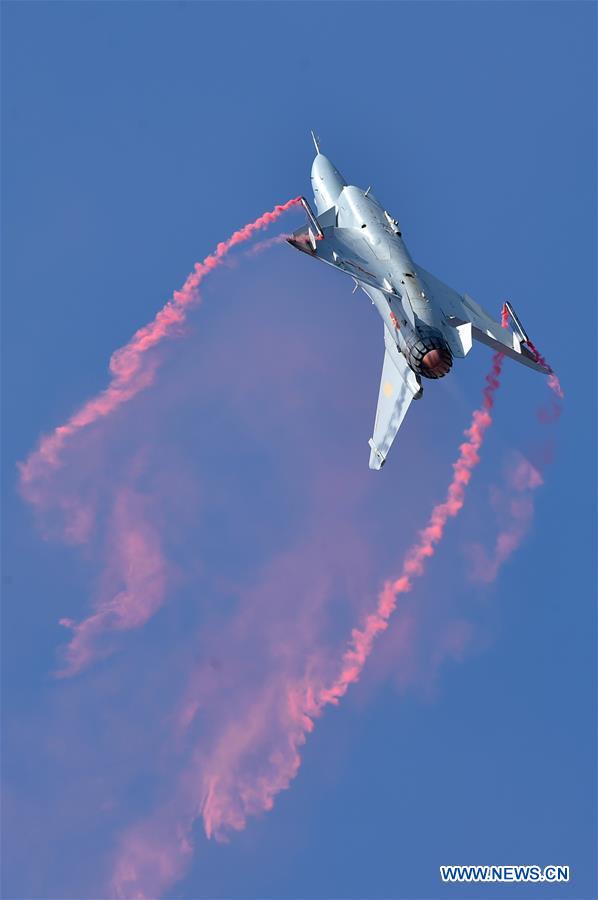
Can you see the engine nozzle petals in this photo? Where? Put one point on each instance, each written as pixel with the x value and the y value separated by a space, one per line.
pixel 436 363
pixel 429 354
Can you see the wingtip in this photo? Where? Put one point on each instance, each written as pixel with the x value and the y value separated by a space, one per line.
pixel 377 458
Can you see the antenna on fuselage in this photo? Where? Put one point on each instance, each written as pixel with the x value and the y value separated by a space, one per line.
pixel 316 141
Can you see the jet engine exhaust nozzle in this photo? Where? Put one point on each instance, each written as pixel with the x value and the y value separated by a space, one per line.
pixel 436 363
pixel 430 356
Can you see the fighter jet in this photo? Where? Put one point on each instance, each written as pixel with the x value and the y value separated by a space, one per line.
pixel 426 323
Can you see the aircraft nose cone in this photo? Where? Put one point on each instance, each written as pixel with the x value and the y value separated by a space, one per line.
pixel 327 182
pixel 436 363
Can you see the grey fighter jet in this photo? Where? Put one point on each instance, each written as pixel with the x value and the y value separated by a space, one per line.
pixel 426 323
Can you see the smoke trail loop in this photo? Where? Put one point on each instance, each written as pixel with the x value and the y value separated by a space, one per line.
pixel 136 574
pixel 127 376
pixel 226 791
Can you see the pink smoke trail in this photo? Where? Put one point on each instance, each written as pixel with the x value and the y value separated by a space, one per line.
pixel 516 506
pixel 552 412
pixel 127 376
pixel 553 382
pixel 225 808
pixel 362 639
pixel 517 499
pixel 260 246
pixel 133 585
pixel 522 478
pixel 255 752
pixel 135 579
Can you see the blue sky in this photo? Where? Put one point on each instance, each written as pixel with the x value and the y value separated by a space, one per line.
pixel 136 136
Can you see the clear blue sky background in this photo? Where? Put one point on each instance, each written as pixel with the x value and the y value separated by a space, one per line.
pixel 136 136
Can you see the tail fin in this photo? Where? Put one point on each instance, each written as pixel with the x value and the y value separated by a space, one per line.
pixel 516 322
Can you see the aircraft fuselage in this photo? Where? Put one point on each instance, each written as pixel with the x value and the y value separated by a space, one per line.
pixel 427 323
pixel 369 246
